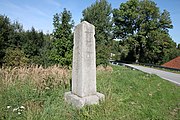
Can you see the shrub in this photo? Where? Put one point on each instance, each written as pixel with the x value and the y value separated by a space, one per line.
pixel 15 57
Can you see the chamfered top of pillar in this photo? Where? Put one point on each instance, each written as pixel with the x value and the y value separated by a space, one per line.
pixel 85 23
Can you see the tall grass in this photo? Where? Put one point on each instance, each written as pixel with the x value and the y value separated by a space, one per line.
pixel 39 76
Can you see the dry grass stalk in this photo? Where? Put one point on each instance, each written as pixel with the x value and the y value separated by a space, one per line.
pixel 102 68
pixel 36 74
pixel 42 78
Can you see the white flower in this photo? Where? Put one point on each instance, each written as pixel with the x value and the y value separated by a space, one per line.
pixel 22 107
pixel 8 107
pixel 15 109
pixel 19 113
pixel 47 88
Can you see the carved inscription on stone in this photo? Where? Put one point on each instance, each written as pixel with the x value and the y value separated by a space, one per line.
pixel 89 47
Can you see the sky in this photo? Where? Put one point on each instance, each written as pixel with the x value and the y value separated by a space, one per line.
pixel 39 13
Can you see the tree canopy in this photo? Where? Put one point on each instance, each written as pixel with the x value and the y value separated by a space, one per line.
pixel 144 29
pixel 61 53
pixel 17 46
pixel 99 14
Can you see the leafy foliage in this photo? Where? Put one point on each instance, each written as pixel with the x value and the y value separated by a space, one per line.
pixel 19 47
pixel 33 45
pixel 119 50
pixel 98 14
pixel 141 26
pixel 61 52
pixel 5 29
pixel 178 46
pixel 15 57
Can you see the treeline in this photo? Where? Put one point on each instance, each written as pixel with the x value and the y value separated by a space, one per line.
pixel 143 31
pixel 19 47
pixel 136 31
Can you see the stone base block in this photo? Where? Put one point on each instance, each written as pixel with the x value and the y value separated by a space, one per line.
pixel 79 102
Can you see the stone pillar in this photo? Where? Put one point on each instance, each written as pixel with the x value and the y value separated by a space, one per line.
pixel 84 68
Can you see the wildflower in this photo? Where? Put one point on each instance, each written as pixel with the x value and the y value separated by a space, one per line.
pixel 47 88
pixel 22 107
pixel 8 107
pixel 133 103
pixel 19 113
pixel 150 94
pixel 15 109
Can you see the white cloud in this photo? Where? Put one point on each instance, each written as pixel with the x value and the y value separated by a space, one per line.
pixel 35 10
pixel 54 2
pixel 11 5
pixel 20 10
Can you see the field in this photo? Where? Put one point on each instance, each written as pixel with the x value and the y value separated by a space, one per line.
pixel 35 93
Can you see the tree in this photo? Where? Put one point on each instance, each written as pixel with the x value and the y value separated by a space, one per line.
pixel 61 53
pixel 16 36
pixel 28 44
pixel 178 46
pixel 33 44
pixel 98 14
pixel 141 25
pixel 15 57
pixel 5 30
pixel 45 52
pixel 119 49
pixel 159 47
pixel 165 21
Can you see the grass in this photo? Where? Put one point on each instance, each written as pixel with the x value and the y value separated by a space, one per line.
pixel 130 95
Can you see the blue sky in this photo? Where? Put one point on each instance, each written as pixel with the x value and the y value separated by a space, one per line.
pixel 39 13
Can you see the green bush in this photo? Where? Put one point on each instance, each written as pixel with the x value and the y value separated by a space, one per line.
pixel 15 57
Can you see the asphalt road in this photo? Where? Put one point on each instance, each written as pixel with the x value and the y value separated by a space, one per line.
pixel 172 77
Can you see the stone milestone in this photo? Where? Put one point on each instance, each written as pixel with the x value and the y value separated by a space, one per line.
pixel 84 68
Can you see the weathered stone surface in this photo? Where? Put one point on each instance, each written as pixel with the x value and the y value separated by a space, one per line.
pixel 84 67
pixel 79 102
pixel 84 61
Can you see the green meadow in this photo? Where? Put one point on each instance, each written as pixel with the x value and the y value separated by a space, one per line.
pixel 38 94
